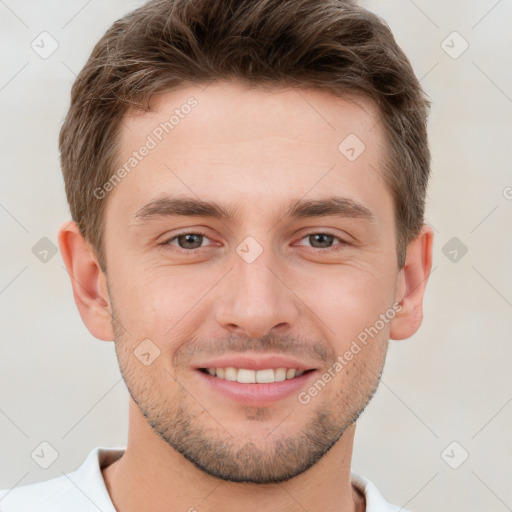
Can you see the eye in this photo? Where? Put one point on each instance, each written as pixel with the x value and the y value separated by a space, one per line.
pixel 189 241
pixel 324 241
pixel 186 241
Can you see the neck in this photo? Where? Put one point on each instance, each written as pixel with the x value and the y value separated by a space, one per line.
pixel 171 483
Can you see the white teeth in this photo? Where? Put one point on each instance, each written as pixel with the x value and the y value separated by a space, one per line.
pixel 280 374
pixel 264 376
pixel 230 374
pixel 247 376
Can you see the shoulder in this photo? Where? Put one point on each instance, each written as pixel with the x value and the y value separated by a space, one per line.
pixel 81 490
pixel 375 502
pixel 37 496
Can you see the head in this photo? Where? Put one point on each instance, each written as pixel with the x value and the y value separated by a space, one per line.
pixel 248 178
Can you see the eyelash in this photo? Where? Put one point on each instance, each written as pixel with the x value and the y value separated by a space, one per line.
pixel 167 243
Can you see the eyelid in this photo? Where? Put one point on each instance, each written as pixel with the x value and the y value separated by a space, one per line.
pixel 168 240
pixel 339 233
pixel 341 240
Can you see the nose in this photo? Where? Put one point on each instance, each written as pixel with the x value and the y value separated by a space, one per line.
pixel 255 298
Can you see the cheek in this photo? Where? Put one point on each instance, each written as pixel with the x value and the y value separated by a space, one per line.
pixel 349 299
pixel 151 301
pixel 343 298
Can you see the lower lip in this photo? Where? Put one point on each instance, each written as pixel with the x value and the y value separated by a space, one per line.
pixel 256 395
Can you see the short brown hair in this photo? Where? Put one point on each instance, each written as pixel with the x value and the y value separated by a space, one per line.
pixel 328 45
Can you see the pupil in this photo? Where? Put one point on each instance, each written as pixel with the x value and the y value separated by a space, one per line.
pixel 189 241
pixel 323 235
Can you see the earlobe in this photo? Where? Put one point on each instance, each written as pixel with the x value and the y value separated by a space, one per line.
pixel 411 284
pixel 88 281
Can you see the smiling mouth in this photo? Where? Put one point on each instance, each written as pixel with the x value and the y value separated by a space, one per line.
pixel 247 376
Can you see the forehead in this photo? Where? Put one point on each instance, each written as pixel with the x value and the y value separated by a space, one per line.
pixel 231 139
pixel 279 111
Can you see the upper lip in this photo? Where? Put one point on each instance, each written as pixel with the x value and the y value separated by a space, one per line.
pixel 253 362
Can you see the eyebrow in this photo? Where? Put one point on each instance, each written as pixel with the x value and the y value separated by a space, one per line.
pixel 299 208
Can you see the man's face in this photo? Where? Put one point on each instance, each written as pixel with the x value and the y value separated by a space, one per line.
pixel 258 285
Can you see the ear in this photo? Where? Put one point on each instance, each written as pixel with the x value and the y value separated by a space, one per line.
pixel 88 281
pixel 411 282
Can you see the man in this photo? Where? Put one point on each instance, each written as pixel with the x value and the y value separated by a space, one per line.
pixel 247 183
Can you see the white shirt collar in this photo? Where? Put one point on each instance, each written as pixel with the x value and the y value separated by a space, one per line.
pixel 84 490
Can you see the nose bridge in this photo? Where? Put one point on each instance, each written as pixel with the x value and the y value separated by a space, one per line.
pixel 253 298
pixel 255 280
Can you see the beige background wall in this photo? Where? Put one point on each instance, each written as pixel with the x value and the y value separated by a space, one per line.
pixel 450 383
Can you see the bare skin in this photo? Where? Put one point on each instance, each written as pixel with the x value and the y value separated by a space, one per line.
pixel 252 152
